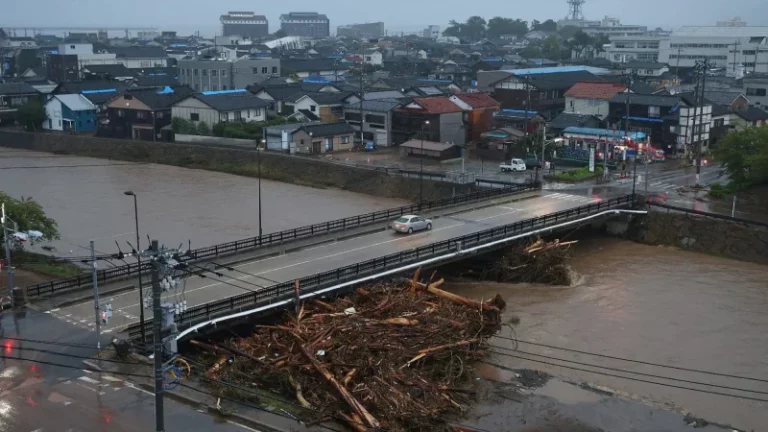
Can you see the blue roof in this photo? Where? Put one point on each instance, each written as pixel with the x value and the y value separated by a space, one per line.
pixel 516 111
pixel 548 70
pixel 157 74
pixel 220 92
pixel 110 90
pixel 433 80
pixel 646 119
pixel 603 132
pixel 166 90
pixel 492 59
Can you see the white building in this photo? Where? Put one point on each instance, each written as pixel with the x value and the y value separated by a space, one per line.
pixel 85 54
pixel 612 26
pixel 70 112
pixel 642 48
pixel 374 57
pixel 431 32
pixel 724 47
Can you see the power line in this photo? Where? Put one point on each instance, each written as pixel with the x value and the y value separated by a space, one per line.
pixel 72 367
pixel 200 274
pixel 625 377
pixel 80 357
pixel 631 360
pixel 627 371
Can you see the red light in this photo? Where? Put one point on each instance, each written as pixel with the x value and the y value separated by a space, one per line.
pixel 31 401
pixel 8 345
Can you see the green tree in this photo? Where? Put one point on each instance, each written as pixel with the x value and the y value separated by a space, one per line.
pixel 498 26
pixel 548 25
pixel 743 156
pixel 567 32
pixel 31 115
pixel 29 215
pixel 203 129
pixel 579 42
pixel 550 48
pixel 533 50
pixel 455 29
pixel 535 24
pixel 475 27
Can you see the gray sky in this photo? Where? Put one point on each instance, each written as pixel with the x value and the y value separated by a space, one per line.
pixel 187 16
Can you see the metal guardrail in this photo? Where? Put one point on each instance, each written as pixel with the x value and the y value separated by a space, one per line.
pixel 708 214
pixel 248 244
pixel 280 291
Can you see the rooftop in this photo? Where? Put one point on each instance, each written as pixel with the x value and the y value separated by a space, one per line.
pixel 427 145
pixel 595 90
pixel 378 105
pixel 328 129
pixel 16 88
pixel 156 98
pixel 138 52
pixel 714 31
pixel 723 97
pixel 76 102
pixel 752 114
pixel 437 105
pixel 322 98
pixel 642 99
pixel 230 101
pixel 478 100
pixel 565 120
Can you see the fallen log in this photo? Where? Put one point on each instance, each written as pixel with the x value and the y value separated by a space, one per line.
pixel 433 288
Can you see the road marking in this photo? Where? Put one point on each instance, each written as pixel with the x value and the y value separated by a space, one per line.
pixel 88 379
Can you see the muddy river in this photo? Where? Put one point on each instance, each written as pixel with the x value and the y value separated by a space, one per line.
pixel 654 304
pixel 85 196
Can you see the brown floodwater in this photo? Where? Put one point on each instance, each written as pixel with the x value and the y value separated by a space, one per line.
pixel 655 304
pixel 85 197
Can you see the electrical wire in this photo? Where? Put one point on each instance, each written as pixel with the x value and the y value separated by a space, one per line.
pixel 128 374
pixel 239 271
pixel 74 355
pixel 623 377
pixel 200 274
pixel 231 268
pixel 631 360
pixel 627 371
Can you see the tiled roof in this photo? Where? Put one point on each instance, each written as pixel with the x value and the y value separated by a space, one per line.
pixel 328 129
pixel 478 100
pixel 385 94
pixel 231 102
pixel 752 114
pixel 723 97
pixel 559 80
pixel 437 105
pixel 114 70
pixel 311 65
pixel 154 98
pixel 322 98
pixel 564 120
pixel 378 105
pixel 16 88
pixel 595 90
pixel 643 99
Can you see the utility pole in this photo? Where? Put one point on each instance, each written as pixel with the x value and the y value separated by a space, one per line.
pixel 362 118
pixel 543 142
pixel 7 246
pixel 692 144
pixel 96 297
pixel 157 343
pixel 258 162
pixel 626 135
pixel 702 126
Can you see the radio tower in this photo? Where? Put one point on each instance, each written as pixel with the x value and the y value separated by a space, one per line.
pixel 574 10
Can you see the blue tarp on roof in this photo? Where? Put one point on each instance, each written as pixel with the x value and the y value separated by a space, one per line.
pixel 110 90
pixel 166 90
pixel 646 119
pixel 221 92
pixel 516 111
pixel 597 132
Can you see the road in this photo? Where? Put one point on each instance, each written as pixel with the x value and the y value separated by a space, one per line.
pixel 40 397
pixel 257 274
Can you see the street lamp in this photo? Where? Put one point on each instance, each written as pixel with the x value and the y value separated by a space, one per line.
pixel 138 260
pixel 421 166
pixel 258 158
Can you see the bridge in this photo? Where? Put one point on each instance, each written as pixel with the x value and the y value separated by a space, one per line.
pixel 248 284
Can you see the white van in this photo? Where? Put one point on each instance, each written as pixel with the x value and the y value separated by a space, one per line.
pixel 513 165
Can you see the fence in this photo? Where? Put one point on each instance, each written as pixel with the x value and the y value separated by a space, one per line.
pixel 708 214
pixel 234 247
pixel 318 281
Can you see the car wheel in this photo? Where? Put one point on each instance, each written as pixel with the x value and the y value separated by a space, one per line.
pixel 410 230
pixel 429 227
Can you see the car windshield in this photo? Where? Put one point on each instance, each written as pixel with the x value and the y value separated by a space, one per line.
pixel 402 220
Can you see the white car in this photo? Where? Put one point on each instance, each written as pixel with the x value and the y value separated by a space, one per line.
pixel 410 223
pixel 513 165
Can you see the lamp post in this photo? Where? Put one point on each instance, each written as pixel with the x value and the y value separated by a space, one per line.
pixel 421 166
pixel 258 158
pixel 138 260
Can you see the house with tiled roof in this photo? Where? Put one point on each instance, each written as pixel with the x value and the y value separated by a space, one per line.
pixel 480 109
pixel 433 118
pixel 591 98
pixel 322 137
pixel 142 113
pixel 220 106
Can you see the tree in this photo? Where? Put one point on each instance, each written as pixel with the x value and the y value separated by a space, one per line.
pixel 550 48
pixel 498 26
pixel 31 115
pixel 548 25
pixel 567 32
pixel 743 156
pixel 29 215
pixel 579 42
pixel 203 129
pixel 454 29
pixel 535 24
pixel 475 27
pixel 533 50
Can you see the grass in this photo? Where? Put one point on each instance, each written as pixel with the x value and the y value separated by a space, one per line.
pixel 40 264
pixel 576 175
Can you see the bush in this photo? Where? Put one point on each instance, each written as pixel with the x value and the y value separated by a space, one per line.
pixel 203 129
pixel 577 174
pixel 717 191
pixel 183 126
pixel 31 115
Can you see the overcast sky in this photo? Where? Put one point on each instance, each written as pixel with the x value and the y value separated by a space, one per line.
pixel 187 16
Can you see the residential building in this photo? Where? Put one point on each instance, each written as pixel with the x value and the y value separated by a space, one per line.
pixel 642 48
pixel 721 122
pixel 70 113
pixel 97 91
pixel 280 137
pixel 518 119
pixel 328 106
pixel 755 88
pixel 244 23
pixel 566 119
pixel 137 57
pixel 204 74
pixel 591 98
pixel 221 106
pixel 18 42
pixel 362 31
pixel 142 113
pixel 304 68
pixel 612 26
pixel 430 150
pixel 323 137
pixel 750 117
pixel 732 100
pixel 377 119
pixel 85 54
pixel 374 57
pixel 109 72
pixel 305 24
pixel 480 110
pixel 62 67
pixel 431 32
pixel 724 47
pixel 434 118
pixel 12 96
pixel 645 70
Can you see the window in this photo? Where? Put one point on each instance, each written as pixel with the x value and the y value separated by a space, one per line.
pixel 345 140
pixel 194 117
pixel 649 71
pixel 748 52
pixel 196 71
pixel 214 72
pixel 312 108
pixel 159 114
pixel 719 122
pixel 120 113
pixel 255 71
pixel 205 72
pixel 752 91
pixel 71 47
pixel 654 111
pixel 224 73
pixel 224 87
pixel 749 64
pixel 238 115
pixel 264 70
pixel 274 69
pixel 214 87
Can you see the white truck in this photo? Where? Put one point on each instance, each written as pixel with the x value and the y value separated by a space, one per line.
pixel 513 165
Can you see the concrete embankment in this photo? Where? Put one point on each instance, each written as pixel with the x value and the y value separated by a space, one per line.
pixel 274 166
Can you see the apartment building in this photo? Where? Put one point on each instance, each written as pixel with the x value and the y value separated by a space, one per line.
pixel 244 23
pixel 305 24
pixel 214 74
pixel 730 48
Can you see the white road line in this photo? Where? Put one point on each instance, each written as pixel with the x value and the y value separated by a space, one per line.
pixel 88 379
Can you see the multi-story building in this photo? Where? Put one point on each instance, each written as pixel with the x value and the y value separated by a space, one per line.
pixel 431 32
pixel 365 31
pixel 643 48
pixel 730 48
pixel 756 89
pixel 244 23
pixel 612 26
pixel 85 54
pixel 733 22
pixel 306 24
pixel 214 74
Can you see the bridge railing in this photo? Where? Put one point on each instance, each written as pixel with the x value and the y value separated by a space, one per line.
pixel 280 291
pixel 742 221
pixel 271 239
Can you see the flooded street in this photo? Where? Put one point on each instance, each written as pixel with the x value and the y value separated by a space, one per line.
pixel 85 196
pixel 653 304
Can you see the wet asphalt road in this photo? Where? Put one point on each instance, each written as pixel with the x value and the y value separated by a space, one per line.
pixel 40 397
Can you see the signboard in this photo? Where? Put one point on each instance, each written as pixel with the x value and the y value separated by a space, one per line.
pixel 591 158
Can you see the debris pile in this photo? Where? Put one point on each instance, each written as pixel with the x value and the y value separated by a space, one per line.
pixel 538 262
pixel 394 357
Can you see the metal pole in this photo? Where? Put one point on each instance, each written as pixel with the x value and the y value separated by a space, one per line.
pixel 8 257
pixel 646 174
pixel 733 209
pixel 96 297
pixel 695 107
pixel 701 120
pixel 157 343
pixel 138 260
pixel 421 172
pixel 258 157
pixel 543 141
